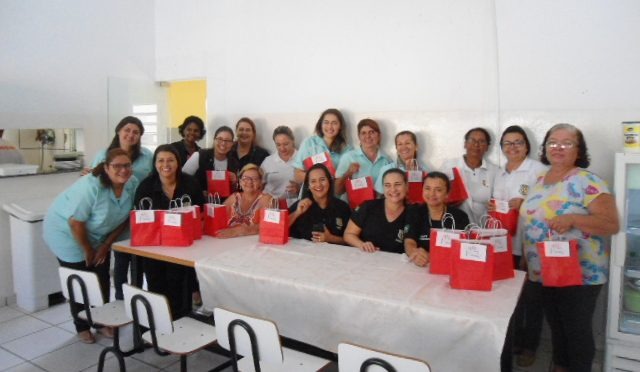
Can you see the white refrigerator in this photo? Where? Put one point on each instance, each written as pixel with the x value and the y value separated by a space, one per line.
pixel 623 320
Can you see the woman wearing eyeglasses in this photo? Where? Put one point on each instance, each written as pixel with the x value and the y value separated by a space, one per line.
pixel 87 218
pixel 512 184
pixel 243 205
pixel 218 159
pixel 477 172
pixel 575 204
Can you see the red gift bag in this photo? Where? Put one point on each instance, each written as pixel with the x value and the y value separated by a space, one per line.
pixel 219 182
pixel 508 217
pixel 502 251
pixel 176 230
pixel 360 190
pixel 196 211
pixel 145 226
pixel 560 263
pixel 215 216
pixel 414 178
pixel 440 242
pixel 471 265
pixel 324 158
pixel 458 190
pixel 274 226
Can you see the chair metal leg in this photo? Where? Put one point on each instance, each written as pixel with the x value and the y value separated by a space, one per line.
pixel 117 353
pixel 183 363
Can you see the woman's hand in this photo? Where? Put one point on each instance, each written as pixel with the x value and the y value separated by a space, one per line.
pixel 320 236
pixel 561 224
pixel 420 257
pixel 368 247
pixel 304 205
pixel 85 171
pixel 491 206
pixel 353 169
pixel 89 257
pixel 515 203
pixel 101 256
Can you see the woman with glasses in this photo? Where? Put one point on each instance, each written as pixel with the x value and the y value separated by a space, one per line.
pixel 512 185
pixel 319 216
pixel 367 160
pixel 87 218
pixel 570 203
pixel 192 130
pixel 166 183
pixel 477 172
pixel 217 158
pixel 243 205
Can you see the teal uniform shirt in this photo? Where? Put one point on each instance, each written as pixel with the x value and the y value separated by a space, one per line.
pixel 95 205
pixel 315 145
pixel 141 167
pixel 367 167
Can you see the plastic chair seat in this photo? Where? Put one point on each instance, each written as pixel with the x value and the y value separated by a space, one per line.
pixel 110 315
pixel 189 335
pixel 293 361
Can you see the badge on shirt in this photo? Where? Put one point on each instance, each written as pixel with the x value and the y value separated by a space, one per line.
pixel 523 190
pixel 339 223
pixel 400 237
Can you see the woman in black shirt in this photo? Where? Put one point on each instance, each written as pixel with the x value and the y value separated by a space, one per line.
pixel 421 218
pixel 191 130
pixel 167 182
pixel 380 224
pixel 319 216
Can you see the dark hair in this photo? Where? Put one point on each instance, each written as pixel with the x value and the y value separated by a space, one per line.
pixel 100 171
pixel 517 129
pixel 253 128
pixel 166 148
pixel 223 128
pixel 115 143
pixel 413 138
pixel 192 120
pixel 478 129
pixel 340 141
pixel 283 129
pixel 395 170
pixel 440 176
pixel 305 187
pixel 368 123
pixel 582 160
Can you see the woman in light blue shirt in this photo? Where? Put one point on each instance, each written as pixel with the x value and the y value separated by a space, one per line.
pixel 86 219
pixel 329 137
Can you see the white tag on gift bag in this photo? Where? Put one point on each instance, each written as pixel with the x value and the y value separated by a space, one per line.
pixel 145 216
pixel 173 219
pixel 271 215
pixel 557 249
pixel 211 210
pixel 414 176
pixel 499 244
pixel 218 175
pixel 473 252
pixel 359 183
pixel 319 158
pixel 502 206
pixel 444 238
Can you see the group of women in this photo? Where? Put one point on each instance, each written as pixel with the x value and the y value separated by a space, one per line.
pixel 555 195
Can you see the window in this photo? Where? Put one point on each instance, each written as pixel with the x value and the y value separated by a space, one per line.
pixel 148 114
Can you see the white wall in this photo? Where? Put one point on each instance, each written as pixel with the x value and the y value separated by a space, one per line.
pixel 55 60
pixel 436 67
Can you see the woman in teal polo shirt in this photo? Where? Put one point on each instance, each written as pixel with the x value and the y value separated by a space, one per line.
pixel 85 220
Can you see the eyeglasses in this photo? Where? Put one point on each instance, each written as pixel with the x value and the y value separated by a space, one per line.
pixel 224 141
pixel 563 145
pixel 250 179
pixel 119 167
pixel 512 144
pixel 475 142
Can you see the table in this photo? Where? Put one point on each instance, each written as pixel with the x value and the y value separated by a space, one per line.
pixel 324 294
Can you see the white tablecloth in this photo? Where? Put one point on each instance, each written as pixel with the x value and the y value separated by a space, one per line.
pixel 324 294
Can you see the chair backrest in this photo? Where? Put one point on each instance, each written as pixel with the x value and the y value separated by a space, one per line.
pixel 91 283
pixel 351 358
pixel 158 308
pixel 269 347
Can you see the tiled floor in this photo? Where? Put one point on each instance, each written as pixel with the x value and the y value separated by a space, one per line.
pixel 46 341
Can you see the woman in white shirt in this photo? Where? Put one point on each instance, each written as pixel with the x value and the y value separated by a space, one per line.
pixel 278 168
pixel 512 184
pixel 477 173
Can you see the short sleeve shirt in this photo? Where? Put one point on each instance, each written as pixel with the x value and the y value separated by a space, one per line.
pixel 572 195
pixel 277 173
pixel 89 202
pixel 334 218
pixel 419 224
pixel 387 235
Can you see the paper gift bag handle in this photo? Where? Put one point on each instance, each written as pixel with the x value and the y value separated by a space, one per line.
pixel 185 200
pixel 448 216
pixel 493 223
pixel 173 204
pixel 145 199
pixel 471 228
pixel 214 198
pixel 412 165
pixel 274 204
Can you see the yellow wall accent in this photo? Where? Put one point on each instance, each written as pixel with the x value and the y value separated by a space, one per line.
pixel 187 98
